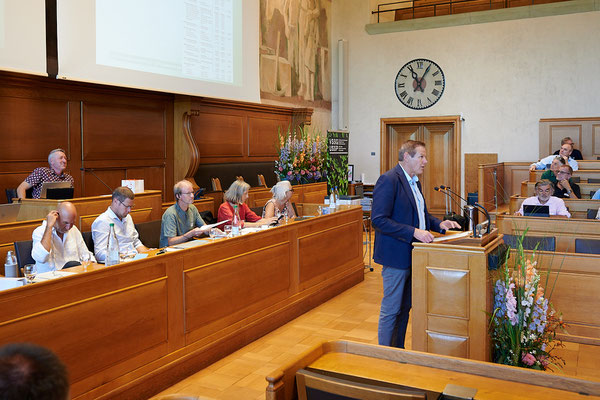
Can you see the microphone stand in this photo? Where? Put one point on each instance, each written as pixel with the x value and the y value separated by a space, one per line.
pixel 452 215
pixel 477 205
pixel 97 177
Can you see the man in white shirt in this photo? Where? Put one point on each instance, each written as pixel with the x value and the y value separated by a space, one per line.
pixel 565 152
pixel 118 214
pixel 544 190
pixel 57 241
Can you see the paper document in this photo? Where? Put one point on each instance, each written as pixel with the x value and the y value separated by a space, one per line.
pixel 457 235
pixel 217 224
pixel 190 244
pixel 46 276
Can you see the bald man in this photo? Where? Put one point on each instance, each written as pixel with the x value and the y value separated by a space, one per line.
pixel 58 241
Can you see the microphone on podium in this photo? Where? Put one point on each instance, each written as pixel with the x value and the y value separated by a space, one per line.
pixel 477 205
pixel 460 219
pixel 97 177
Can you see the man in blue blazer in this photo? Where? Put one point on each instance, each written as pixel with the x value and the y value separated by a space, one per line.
pixel 400 217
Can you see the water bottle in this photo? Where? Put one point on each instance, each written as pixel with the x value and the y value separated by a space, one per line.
pixel 112 249
pixel 236 222
pixel 337 197
pixel 10 266
pixel 332 200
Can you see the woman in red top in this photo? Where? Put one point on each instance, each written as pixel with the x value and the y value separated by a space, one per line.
pixel 238 194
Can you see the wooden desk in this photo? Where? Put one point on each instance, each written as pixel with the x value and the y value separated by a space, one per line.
pixel 565 230
pixel 147 208
pixel 131 330
pixel 577 207
pixel 429 372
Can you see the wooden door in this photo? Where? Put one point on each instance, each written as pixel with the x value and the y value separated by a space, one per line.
pixel 441 136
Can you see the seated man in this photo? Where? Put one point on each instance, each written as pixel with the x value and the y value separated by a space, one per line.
pixel 57 159
pixel 576 154
pixel 564 189
pixel 57 241
pixel 565 152
pixel 29 371
pixel 181 221
pixel 543 197
pixel 118 214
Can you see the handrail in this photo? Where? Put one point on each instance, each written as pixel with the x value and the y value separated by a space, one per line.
pixel 506 4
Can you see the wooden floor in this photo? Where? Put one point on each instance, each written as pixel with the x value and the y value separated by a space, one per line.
pixel 352 315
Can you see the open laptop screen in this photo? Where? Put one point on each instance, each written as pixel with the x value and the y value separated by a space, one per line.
pixel 536 211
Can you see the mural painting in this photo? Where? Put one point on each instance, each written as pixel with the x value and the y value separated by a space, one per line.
pixel 295 52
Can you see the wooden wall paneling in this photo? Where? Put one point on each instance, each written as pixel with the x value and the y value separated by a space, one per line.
pixel 392 137
pixel 153 176
pixel 441 164
pixel 219 135
pixel 75 154
pixel 120 132
pixel 583 131
pixel 262 136
pixel 92 182
pixel 472 162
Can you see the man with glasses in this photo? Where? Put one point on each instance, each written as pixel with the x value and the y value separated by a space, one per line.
pixel 564 188
pixel 118 214
pixel 182 221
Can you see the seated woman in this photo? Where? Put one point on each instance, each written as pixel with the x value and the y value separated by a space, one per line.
pixel 280 202
pixel 238 194
pixel 551 173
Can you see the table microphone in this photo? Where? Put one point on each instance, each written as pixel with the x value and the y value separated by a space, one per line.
pixel 461 219
pixel 479 206
pixel 96 176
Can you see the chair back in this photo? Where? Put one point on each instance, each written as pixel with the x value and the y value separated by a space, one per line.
pixel 89 240
pixel 546 243
pixel 591 213
pixel 149 233
pixel 216 185
pixel 257 210
pixel 10 194
pixel 261 180
pixel 587 246
pixel 23 253
pixel 314 385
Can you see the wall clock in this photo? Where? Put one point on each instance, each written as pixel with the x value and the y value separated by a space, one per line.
pixel 419 84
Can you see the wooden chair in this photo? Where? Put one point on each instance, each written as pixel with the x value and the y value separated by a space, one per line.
pixel 314 385
pixel 216 185
pixel 261 181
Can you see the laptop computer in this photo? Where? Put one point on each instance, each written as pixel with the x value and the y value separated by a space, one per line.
pixel 56 185
pixel 536 211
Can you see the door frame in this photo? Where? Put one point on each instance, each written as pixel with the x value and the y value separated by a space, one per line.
pixel 455 120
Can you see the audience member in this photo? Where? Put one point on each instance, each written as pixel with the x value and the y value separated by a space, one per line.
pixel 237 194
pixel 57 160
pixel 550 174
pixel 543 197
pixel 181 221
pixel 118 214
pixel 576 154
pixel 564 188
pixel 400 217
pixel 31 372
pixel 58 241
pixel 279 204
pixel 565 152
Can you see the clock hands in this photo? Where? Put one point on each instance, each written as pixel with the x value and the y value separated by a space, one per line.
pixel 416 78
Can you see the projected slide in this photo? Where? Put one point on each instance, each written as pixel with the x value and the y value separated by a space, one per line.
pixel 189 39
pixel 198 47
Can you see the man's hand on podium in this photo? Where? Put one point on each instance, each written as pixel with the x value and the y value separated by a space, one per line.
pixel 447 224
pixel 423 236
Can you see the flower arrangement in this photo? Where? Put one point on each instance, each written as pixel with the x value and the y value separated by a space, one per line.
pixel 523 324
pixel 301 156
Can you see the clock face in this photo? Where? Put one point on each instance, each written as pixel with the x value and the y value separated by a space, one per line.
pixel 419 84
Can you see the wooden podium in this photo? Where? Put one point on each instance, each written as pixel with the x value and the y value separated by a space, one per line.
pixel 451 294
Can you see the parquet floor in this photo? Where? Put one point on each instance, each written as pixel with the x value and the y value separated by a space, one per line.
pixel 351 315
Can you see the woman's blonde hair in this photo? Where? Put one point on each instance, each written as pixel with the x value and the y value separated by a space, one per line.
pixel 236 191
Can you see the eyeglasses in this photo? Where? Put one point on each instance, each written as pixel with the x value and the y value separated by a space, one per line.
pixel 126 206
pixel 187 192
pixel 564 172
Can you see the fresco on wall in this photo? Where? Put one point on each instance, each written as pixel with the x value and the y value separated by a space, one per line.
pixel 295 52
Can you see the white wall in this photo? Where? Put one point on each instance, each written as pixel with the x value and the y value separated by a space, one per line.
pixel 501 76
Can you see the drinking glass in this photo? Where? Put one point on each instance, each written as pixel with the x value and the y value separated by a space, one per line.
pixel 29 270
pixel 228 230
pixel 213 233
